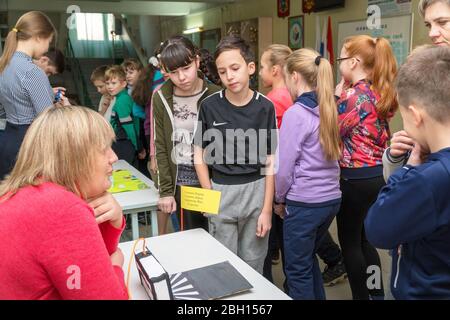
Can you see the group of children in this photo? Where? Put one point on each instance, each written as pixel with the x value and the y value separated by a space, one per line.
pixel 330 147
pixel 126 95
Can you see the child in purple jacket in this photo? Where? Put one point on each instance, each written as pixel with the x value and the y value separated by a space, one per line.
pixel 307 181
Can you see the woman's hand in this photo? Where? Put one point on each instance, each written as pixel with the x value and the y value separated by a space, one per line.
pixel 64 101
pixel 167 204
pixel 62 89
pixel 106 208
pixel 401 143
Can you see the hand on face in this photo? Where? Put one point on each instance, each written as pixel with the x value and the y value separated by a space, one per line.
pixel 401 144
pixel 106 208
pixel 418 155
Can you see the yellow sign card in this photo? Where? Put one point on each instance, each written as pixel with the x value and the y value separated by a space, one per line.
pixel 202 200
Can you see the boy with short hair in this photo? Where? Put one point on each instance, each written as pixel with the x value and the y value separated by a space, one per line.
pixel 98 80
pixel 243 124
pixel 121 116
pixel 412 213
pixel 52 62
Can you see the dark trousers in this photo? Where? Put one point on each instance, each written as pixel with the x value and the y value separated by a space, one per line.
pixel 10 141
pixel 192 219
pixel 357 197
pixel 304 229
pixel 328 251
pixel 275 244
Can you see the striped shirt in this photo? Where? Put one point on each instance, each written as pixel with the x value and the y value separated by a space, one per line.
pixel 25 90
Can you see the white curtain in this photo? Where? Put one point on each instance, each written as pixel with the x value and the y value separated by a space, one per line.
pixel 92 36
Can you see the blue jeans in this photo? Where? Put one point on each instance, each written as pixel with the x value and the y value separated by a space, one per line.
pixel 304 229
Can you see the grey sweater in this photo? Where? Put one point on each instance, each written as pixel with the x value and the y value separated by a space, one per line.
pixel 390 163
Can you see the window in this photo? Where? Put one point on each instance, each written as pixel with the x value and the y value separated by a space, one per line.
pixel 91 26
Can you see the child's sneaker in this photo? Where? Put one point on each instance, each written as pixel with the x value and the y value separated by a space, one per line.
pixel 333 275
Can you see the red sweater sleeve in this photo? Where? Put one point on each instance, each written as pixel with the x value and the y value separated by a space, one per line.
pixel 76 258
pixel 111 235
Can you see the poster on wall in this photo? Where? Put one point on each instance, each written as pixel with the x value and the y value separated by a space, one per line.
pixel 397 30
pixel 296 33
pixel 392 7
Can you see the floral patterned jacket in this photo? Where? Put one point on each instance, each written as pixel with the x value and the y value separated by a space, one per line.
pixel 364 134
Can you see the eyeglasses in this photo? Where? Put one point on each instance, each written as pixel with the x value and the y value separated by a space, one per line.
pixel 339 60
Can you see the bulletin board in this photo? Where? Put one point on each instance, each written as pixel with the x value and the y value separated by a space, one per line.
pixel 397 29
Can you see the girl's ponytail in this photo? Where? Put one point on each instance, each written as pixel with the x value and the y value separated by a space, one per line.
pixel 318 74
pixel 31 24
pixel 328 130
pixel 10 48
pixel 383 77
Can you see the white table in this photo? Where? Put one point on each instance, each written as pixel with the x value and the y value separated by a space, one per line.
pixel 133 202
pixel 186 250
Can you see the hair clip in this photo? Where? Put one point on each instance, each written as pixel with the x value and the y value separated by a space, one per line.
pixel 15 30
pixel 317 61
pixel 154 62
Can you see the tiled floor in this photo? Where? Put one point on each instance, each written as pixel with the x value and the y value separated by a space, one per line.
pixel 340 291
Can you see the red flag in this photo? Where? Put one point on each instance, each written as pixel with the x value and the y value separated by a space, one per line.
pixel 330 42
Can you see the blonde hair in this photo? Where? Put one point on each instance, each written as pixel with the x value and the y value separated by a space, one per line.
pixel 59 147
pixel 99 73
pixel 319 77
pixel 379 60
pixel 278 54
pixel 424 4
pixel 31 24
pixel 115 71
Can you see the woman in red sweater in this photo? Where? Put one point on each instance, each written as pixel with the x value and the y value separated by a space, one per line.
pixel 59 228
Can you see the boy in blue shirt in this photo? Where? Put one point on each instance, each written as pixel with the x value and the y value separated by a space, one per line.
pixel 412 212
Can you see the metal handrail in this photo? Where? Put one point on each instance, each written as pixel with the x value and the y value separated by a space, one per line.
pixel 78 78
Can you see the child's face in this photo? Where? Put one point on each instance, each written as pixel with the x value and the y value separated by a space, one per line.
pixel 101 87
pixel 132 76
pixel 234 72
pixel 46 66
pixel 437 20
pixel 184 78
pixel 115 85
pixel 346 66
pixel 266 70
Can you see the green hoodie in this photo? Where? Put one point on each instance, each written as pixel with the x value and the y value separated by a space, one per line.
pixel 162 102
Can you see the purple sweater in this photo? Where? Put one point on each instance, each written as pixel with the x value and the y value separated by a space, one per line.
pixel 304 175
